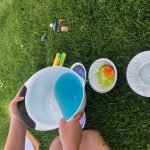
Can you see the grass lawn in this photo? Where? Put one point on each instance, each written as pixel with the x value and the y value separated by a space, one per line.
pixel 115 29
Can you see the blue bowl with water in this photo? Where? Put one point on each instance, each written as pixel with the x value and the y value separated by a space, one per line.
pixel 69 93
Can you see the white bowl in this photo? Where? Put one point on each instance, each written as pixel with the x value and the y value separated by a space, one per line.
pixel 134 76
pixel 93 80
pixel 40 101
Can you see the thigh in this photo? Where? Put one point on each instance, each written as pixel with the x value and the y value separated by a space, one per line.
pixel 56 144
pixel 92 140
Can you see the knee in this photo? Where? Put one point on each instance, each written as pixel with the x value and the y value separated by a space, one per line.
pixel 93 134
pixel 56 144
pixel 93 137
pixel 56 140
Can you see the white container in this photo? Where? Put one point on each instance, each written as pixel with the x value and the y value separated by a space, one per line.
pixel 40 102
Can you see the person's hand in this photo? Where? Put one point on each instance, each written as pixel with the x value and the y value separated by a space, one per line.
pixel 17 130
pixel 13 107
pixel 70 133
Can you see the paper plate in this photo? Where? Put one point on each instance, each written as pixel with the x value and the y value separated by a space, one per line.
pixel 138 74
pixel 93 79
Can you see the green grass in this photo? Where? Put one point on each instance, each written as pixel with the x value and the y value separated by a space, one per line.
pixel 115 29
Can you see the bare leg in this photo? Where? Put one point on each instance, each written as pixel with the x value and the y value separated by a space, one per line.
pixel 91 140
pixel 56 144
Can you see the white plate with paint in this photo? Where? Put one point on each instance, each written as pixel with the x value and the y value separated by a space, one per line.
pixel 138 74
pixel 93 75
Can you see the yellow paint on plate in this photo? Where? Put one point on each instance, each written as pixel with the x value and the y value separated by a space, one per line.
pixel 106 76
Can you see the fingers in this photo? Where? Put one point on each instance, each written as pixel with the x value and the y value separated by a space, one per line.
pixel 77 117
pixel 62 121
pixel 18 99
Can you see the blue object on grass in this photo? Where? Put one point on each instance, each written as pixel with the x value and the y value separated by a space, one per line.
pixel 44 37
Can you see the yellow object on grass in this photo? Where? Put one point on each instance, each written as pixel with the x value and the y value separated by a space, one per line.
pixel 62 59
pixel 57 59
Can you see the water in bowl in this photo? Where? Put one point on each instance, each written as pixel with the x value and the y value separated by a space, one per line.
pixel 145 74
pixel 68 93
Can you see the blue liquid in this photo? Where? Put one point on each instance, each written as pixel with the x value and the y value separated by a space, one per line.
pixel 68 93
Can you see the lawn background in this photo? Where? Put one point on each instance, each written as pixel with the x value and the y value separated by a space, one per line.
pixel 116 29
